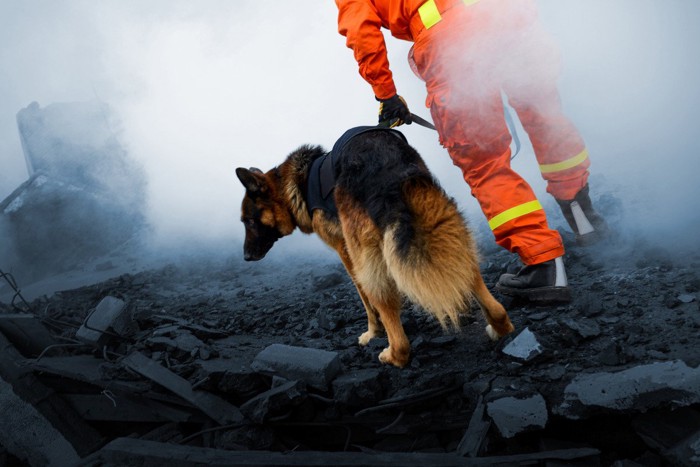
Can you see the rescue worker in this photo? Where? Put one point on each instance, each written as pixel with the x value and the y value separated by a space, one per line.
pixel 468 52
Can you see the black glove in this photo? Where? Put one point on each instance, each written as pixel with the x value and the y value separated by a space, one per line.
pixel 394 112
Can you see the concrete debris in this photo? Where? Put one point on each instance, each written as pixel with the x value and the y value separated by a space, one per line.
pixel 28 435
pixel 686 298
pixel 83 190
pixel 640 388
pixel 128 451
pixel 215 407
pixel 109 316
pixel 275 402
pixel 524 346
pixel 471 443
pixel 26 333
pixel 358 388
pixel 675 434
pixel 513 415
pixel 315 367
pixel 218 361
pixel 584 327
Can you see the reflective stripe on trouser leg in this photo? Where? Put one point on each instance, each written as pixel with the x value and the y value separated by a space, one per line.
pixel 514 212
pixel 515 216
pixel 559 148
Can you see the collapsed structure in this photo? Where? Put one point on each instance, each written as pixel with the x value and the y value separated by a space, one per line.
pixel 84 197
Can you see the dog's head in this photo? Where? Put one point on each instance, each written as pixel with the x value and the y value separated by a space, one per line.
pixel 263 212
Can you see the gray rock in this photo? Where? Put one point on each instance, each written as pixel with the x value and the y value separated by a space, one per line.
pixel 315 367
pixel 686 298
pixel 584 327
pixel 32 438
pixel 524 347
pixel 638 388
pixel 358 388
pixel 274 402
pixel 110 314
pixel 513 415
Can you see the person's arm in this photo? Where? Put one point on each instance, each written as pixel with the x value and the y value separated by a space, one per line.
pixel 359 22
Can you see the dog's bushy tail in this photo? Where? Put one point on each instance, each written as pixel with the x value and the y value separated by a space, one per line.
pixel 430 252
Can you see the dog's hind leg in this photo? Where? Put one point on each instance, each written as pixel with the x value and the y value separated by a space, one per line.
pixel 383 296
pixel 496 316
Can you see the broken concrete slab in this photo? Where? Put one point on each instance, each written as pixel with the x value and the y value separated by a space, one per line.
pixel 674 434
pixel 274 402
pixel 112 407
pixel 638 388
pixel 232 377
pixel 28 435
pixel 84 197
pixel 358 388
pixel 109 316
pixel 513 415
pixel 182 343
pixel 128 451
pixel 215 407
pixel 476 432
pixel 81 436
pixel 26 333
pixel 584 327
pixel 524 346
pixel 315 367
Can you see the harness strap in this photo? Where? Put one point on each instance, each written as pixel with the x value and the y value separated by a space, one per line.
pixel 321 177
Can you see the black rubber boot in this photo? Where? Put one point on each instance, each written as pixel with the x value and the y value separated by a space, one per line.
pixel 587 224
pixel 543 283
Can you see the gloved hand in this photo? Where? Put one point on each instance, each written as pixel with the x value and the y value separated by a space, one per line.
pixel 394 112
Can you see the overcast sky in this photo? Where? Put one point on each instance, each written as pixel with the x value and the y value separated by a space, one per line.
pixel 204 87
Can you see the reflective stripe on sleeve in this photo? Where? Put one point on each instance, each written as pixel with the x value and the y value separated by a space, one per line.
pixel 510 214
pixel 563 165
pixel 429 14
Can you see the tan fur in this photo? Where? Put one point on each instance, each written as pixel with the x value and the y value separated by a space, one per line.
pixel 441 272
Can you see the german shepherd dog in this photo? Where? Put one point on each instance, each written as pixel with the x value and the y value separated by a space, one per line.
pixel 396 232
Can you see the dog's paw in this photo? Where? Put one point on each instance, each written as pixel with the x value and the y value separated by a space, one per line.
pixel 365 337
pixel 491 332
pixel 387 356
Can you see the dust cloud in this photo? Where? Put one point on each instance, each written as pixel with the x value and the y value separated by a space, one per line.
pixel 204 88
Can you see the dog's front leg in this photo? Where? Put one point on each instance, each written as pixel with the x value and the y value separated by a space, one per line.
pixel 374 326
pixel 399 349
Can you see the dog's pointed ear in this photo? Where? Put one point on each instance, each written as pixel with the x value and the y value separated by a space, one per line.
pixel 252 179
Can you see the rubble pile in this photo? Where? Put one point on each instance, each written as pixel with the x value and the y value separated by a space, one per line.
pixel 84 197
pixel 221 362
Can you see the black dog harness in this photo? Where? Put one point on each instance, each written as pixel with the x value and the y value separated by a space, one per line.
pixel 321 179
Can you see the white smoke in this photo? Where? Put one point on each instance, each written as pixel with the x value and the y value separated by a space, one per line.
pixel 204 87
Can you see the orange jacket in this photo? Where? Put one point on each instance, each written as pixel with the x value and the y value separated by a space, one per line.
pixel 360 21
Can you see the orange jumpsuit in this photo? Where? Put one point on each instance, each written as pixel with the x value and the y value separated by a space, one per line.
pixel 468 52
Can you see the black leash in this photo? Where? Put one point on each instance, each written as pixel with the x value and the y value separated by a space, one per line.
pixel 422 122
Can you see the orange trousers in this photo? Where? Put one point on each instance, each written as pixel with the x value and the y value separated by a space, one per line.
pixel 468 60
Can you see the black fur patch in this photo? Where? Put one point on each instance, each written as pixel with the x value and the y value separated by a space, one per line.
pixel 373 168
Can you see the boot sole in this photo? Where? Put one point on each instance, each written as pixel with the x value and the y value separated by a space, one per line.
pixel 589 239
pixel 541 295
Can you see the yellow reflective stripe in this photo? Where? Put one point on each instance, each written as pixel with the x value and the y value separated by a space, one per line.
pixel 512 213
pixel 567 164
pixel 429 14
